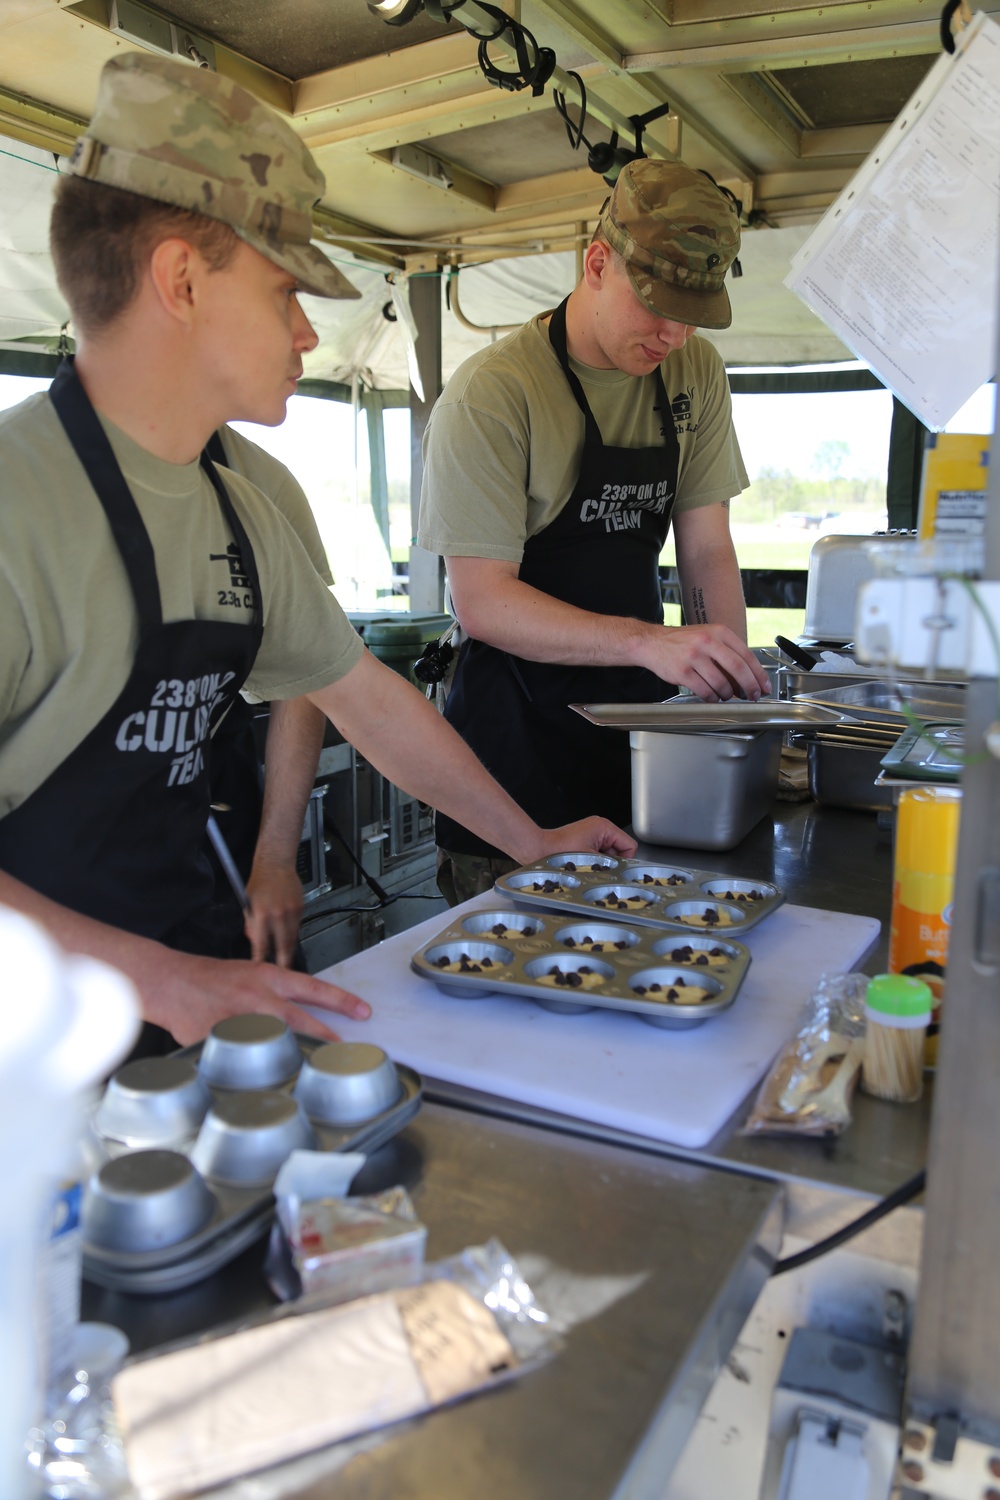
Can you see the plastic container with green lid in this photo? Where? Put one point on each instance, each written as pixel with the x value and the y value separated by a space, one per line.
pixel 898 1009
pixel 398 639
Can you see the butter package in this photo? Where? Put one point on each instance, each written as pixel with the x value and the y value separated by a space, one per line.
pixel 927 824
pixel 345 1248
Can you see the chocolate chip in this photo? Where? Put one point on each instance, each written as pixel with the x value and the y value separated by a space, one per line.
pixel 574 979
pixel 711 915
pixel 499 930
pixel 702 959
pixel 621 943
pixel 569 865
pixel 570 942
pixel 671 994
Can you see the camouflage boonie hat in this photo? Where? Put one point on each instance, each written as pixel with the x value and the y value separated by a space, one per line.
pixel 679 235
pixel 167 130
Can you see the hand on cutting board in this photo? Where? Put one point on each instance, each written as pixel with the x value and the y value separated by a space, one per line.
pixel 191 994
pixel 594 835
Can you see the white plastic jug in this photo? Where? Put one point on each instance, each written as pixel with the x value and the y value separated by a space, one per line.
pixel 64 1022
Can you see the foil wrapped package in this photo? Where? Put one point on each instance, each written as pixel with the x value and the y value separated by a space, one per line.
pixel 338 1248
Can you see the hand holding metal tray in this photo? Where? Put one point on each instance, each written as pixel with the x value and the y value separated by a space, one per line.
pixel 195 1141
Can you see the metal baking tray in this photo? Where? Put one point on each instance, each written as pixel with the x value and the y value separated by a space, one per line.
pixel 242 1214
pixel 845 775
pixel 686 714
pixel 670 895
pixel 875 736
pixel 521 949
pixel 877 702
pixel 933 754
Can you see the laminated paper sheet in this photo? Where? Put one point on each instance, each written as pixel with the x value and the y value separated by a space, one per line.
pixel 903 266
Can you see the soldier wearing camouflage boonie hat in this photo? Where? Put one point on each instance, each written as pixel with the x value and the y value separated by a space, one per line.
pixel 185 136
pixel 678 234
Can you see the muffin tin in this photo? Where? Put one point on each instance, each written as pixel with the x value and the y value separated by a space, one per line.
pixel 195 1140
pixel 514 953
pixel 643 892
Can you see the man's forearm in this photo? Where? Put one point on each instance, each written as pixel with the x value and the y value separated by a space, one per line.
pixel 502 610
pixel 79 934
pixel 407 740
pixel 495 606
pixel 294 741
pixel 715 593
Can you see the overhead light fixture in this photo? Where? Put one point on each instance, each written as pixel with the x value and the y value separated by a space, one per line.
pixel 605 157
pixel 420 163
pixel 395 12
pixel 147 28
pixel 487 23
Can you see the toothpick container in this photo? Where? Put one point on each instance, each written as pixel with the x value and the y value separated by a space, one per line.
pixel 898 1009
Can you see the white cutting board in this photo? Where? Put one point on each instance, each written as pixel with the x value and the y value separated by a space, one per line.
pixel 609 1068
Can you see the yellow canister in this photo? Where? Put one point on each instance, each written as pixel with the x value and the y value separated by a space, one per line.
pixel 927 820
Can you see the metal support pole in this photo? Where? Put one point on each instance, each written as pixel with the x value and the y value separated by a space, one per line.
pixel 426 570
pixel 954 1359
pixel 373 404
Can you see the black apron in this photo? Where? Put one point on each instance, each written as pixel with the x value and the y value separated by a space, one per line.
pixel 117 831
pixel 601 554
pixel 237 794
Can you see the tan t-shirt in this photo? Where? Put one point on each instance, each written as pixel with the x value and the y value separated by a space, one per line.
pixel 282 488
pixel 67 618
pixel 504 442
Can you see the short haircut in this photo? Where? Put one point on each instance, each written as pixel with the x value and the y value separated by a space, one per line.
pixel 101 238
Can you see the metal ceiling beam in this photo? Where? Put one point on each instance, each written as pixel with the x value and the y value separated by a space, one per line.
pixel 430 89
pixel 793 49
pixel 433 62
pixel 272 87
pixel 844 140
pixel 648 93
pixel 333 228
pixel 36 124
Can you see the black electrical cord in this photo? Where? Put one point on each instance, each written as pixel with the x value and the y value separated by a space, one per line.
pixel 574 132
pixel 535 64
pixel 903 1194
pixel 947 35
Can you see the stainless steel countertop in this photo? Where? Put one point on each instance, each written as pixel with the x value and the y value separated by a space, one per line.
pixel 824 857
pixel 609 1415
pixel 680 1249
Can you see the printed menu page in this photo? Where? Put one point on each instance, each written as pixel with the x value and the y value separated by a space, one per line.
pixel 903 266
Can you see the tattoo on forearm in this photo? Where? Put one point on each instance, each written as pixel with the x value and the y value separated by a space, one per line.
pixel 699 614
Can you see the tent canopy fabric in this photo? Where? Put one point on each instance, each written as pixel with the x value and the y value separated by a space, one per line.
pixel 357 341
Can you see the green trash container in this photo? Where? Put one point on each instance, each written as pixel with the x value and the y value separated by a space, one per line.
pixel 399 639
